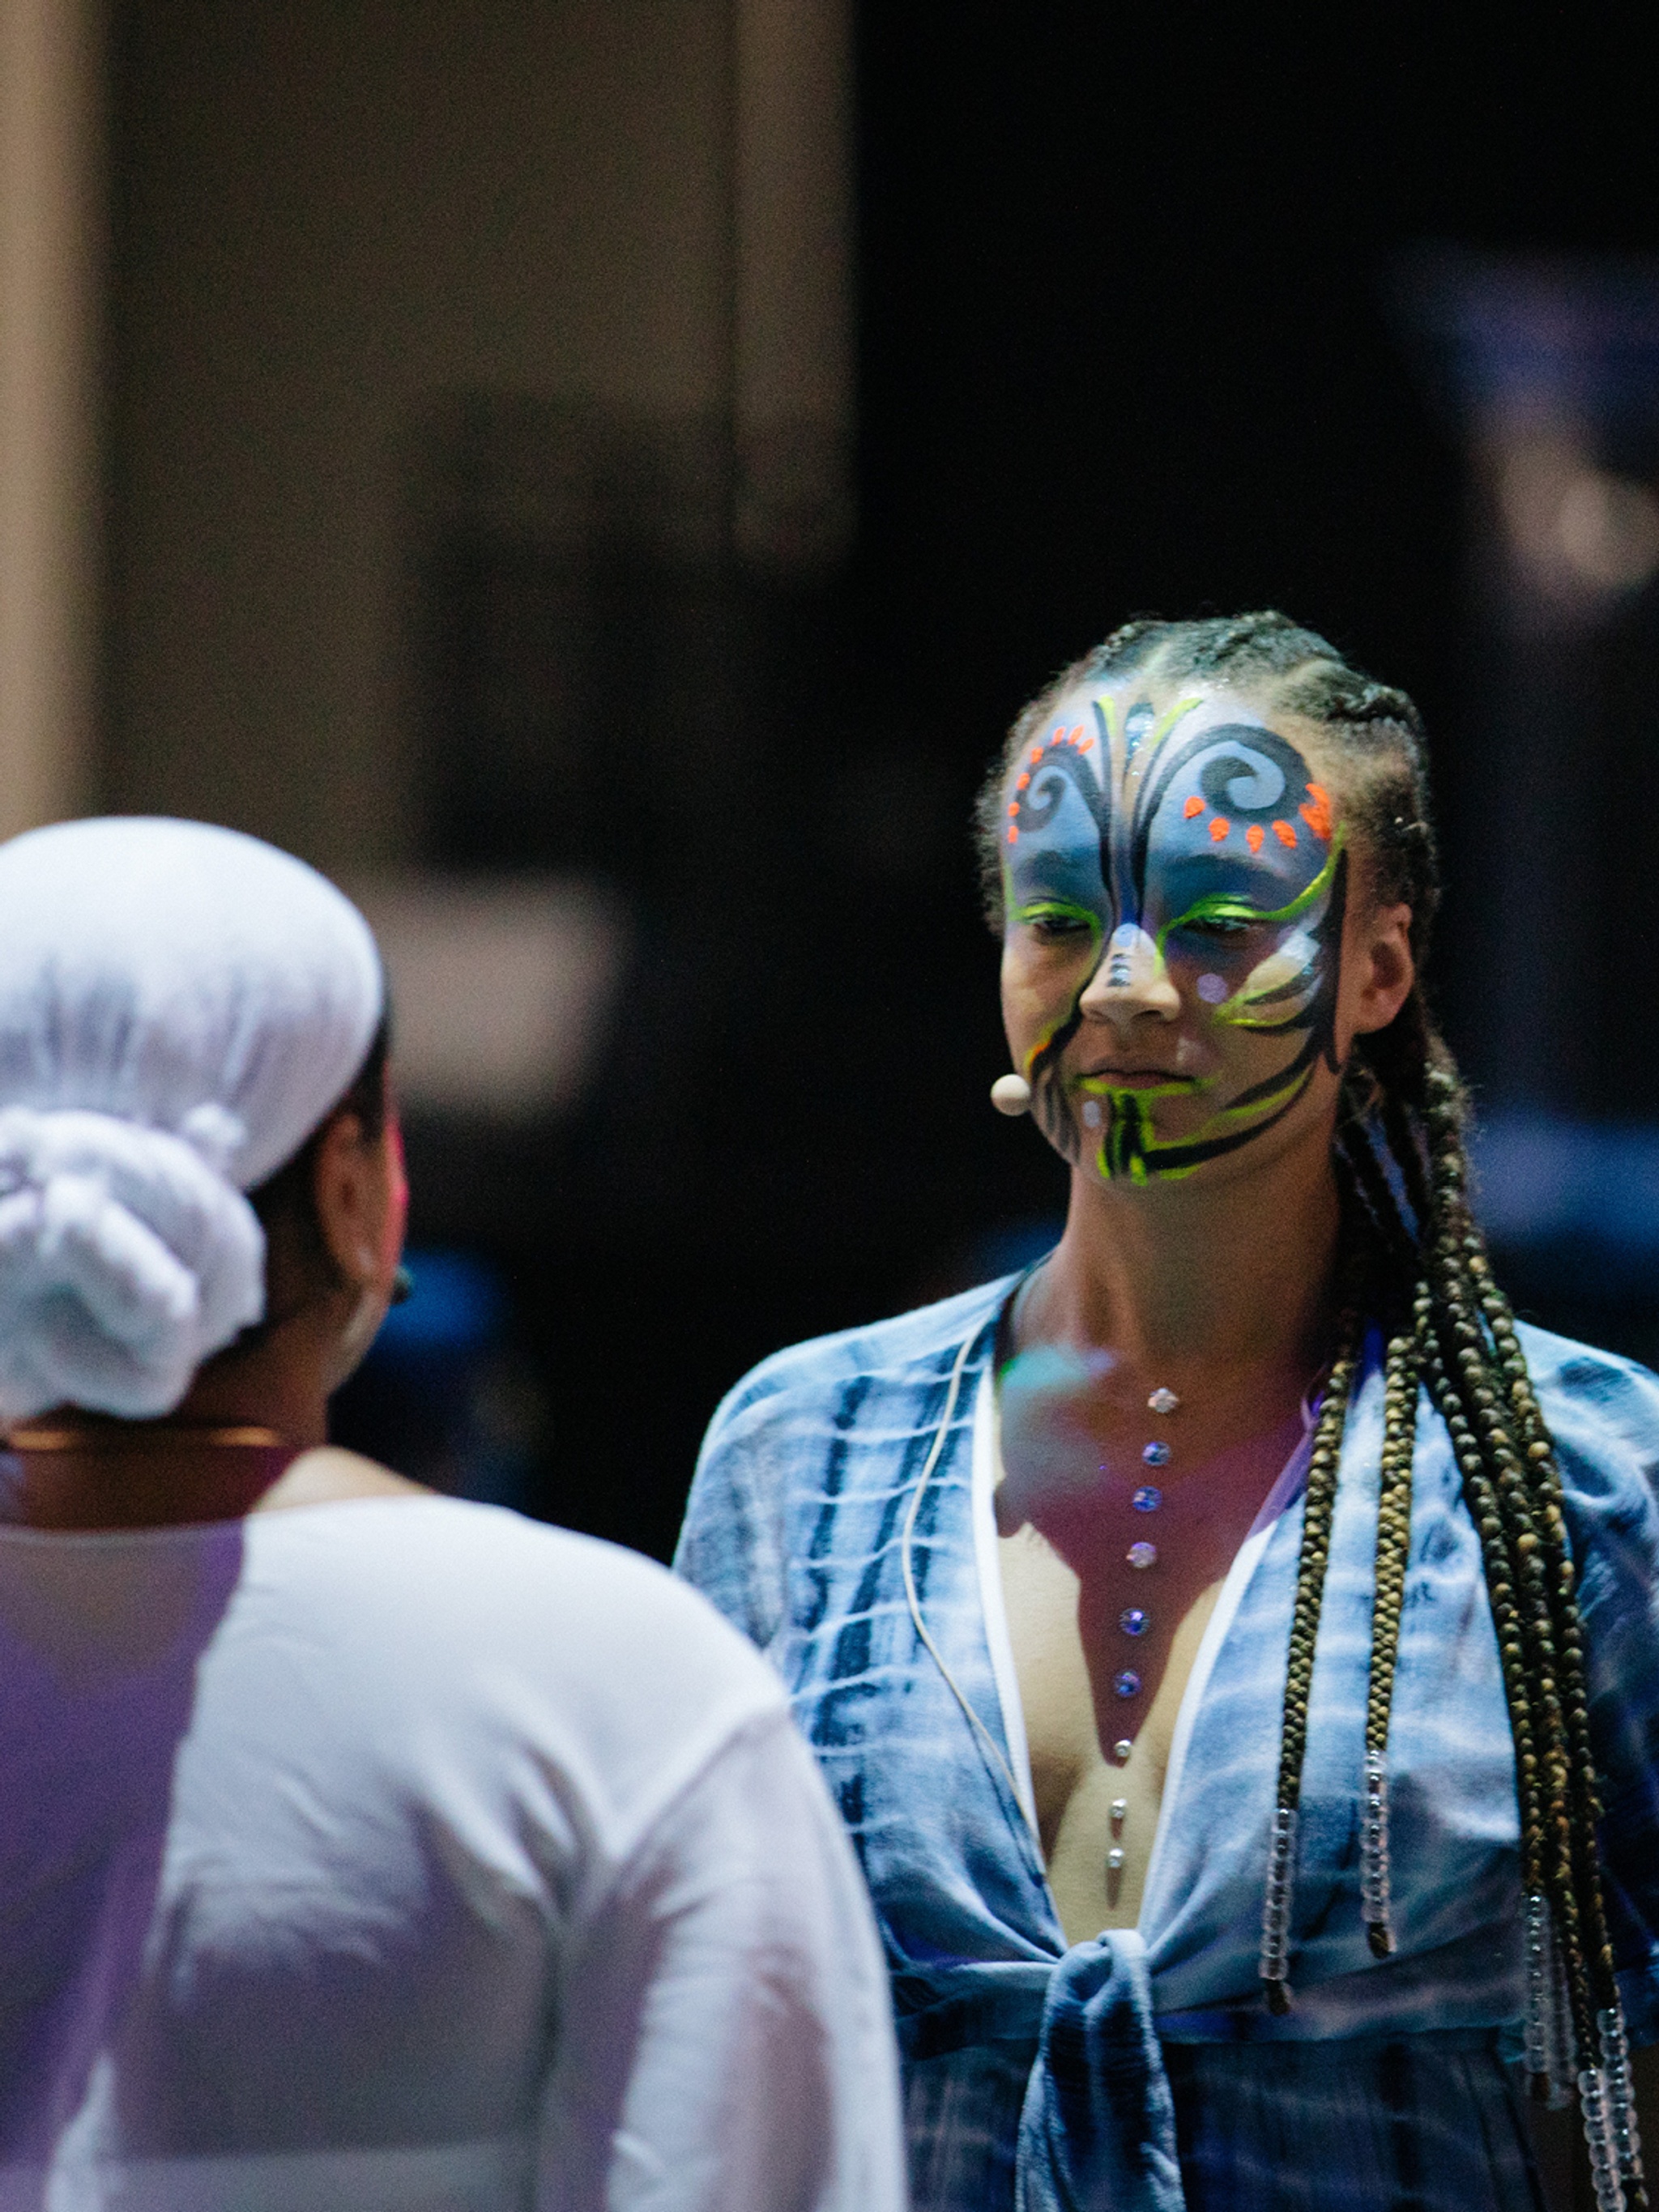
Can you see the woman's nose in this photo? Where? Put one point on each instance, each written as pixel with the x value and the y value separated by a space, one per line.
pixel 1131 981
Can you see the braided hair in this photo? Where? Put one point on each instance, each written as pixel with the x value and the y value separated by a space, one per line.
pixel 1414 1262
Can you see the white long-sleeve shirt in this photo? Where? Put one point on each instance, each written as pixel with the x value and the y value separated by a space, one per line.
pixel 402 1855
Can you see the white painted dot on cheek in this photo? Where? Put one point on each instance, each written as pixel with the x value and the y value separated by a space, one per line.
pixel 1091 1113
pixel 1213 989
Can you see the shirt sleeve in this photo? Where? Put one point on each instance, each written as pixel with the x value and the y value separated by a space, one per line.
pixel 725 2041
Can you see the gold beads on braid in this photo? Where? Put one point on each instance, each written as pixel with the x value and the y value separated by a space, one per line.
pixel 1318 1504
pixel 1393 1528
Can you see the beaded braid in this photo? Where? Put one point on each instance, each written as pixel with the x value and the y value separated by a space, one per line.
pixel 1318 1505
pixel 1480 1382
pixel 1393 1512
pixel 1414 1259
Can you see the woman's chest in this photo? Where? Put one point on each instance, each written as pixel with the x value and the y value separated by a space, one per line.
pixel 1107 1597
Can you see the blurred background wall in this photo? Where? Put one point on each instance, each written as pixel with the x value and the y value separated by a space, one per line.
pixel 599 476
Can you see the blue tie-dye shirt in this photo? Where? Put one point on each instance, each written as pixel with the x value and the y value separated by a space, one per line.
pixel 1033 2075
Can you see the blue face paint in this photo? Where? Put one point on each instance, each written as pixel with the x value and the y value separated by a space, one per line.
pixel 1195 840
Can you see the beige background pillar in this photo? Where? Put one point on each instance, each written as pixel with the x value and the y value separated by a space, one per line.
pixel 336 222
pixel 50 272
pixel 792 338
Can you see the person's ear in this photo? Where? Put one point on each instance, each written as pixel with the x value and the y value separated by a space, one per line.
pixel 354 1198
pixel 1385 968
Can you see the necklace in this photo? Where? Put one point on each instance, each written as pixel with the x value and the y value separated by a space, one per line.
pixel 248 1437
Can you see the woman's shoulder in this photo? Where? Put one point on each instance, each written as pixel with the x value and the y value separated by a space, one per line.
pixel 813 1421
pixel 1602 1412
pixel 1599 1406
pixel 468 1596
pixel 918 1347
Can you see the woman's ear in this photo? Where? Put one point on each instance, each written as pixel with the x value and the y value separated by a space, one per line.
pixel 355 1198
pixel 1383 968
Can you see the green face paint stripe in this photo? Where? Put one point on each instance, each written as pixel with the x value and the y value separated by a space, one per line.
pixel 1266 1025
pixel 1270 995
pixel 1274 1010
pixel 1167 720
pixel 1129 1146
pixel 1101 1086
pixel 1173 1162
pixel 1267 1105
pixel 1061 911
pixel 1220 906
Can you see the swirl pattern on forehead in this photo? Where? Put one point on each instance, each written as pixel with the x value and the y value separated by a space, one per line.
pixel 1246 777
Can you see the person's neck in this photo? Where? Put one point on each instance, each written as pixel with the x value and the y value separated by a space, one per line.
pixel 213 1458
pixel 1219 1275
pixel 278 1385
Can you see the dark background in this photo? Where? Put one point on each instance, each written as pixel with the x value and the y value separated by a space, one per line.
pixel 1130 341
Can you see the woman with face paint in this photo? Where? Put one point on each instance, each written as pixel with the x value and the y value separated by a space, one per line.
pixel 360 1849
pixel 1233 1643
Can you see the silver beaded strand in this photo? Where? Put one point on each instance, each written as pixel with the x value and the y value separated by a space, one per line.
pixel 1625 2140
pixel 1274 1967
pixel 1374 1855
pixel 1547 2032
pixel 1593 2105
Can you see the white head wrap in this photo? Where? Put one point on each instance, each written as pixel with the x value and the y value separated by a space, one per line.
pixel 180 1007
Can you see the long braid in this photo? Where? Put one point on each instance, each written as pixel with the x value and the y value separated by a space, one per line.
pixel 1414 1260
pixel 1318 1505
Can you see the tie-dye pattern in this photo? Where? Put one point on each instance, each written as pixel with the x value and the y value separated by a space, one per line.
pixel 794 1530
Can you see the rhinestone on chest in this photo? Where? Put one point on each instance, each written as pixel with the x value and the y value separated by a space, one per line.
pixel 1134 1620
pixel 1147 1497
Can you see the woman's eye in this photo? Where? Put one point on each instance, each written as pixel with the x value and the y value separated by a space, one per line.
pixel 1215 925
pixel 1055 927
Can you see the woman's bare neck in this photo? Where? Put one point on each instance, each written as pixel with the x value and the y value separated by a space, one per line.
pixel 1221 1277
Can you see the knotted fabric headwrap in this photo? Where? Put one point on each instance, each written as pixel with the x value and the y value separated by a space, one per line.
pixel 180 1007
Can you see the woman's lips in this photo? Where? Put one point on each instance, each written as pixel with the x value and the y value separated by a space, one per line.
pixel 1132 1078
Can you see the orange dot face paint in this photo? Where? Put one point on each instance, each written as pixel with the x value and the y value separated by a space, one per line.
pixel 1195 807
pixel 1218 829
pixel 1253 836
pixel 1317 811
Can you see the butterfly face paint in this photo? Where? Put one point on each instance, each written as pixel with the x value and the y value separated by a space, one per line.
pixel 1185 862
